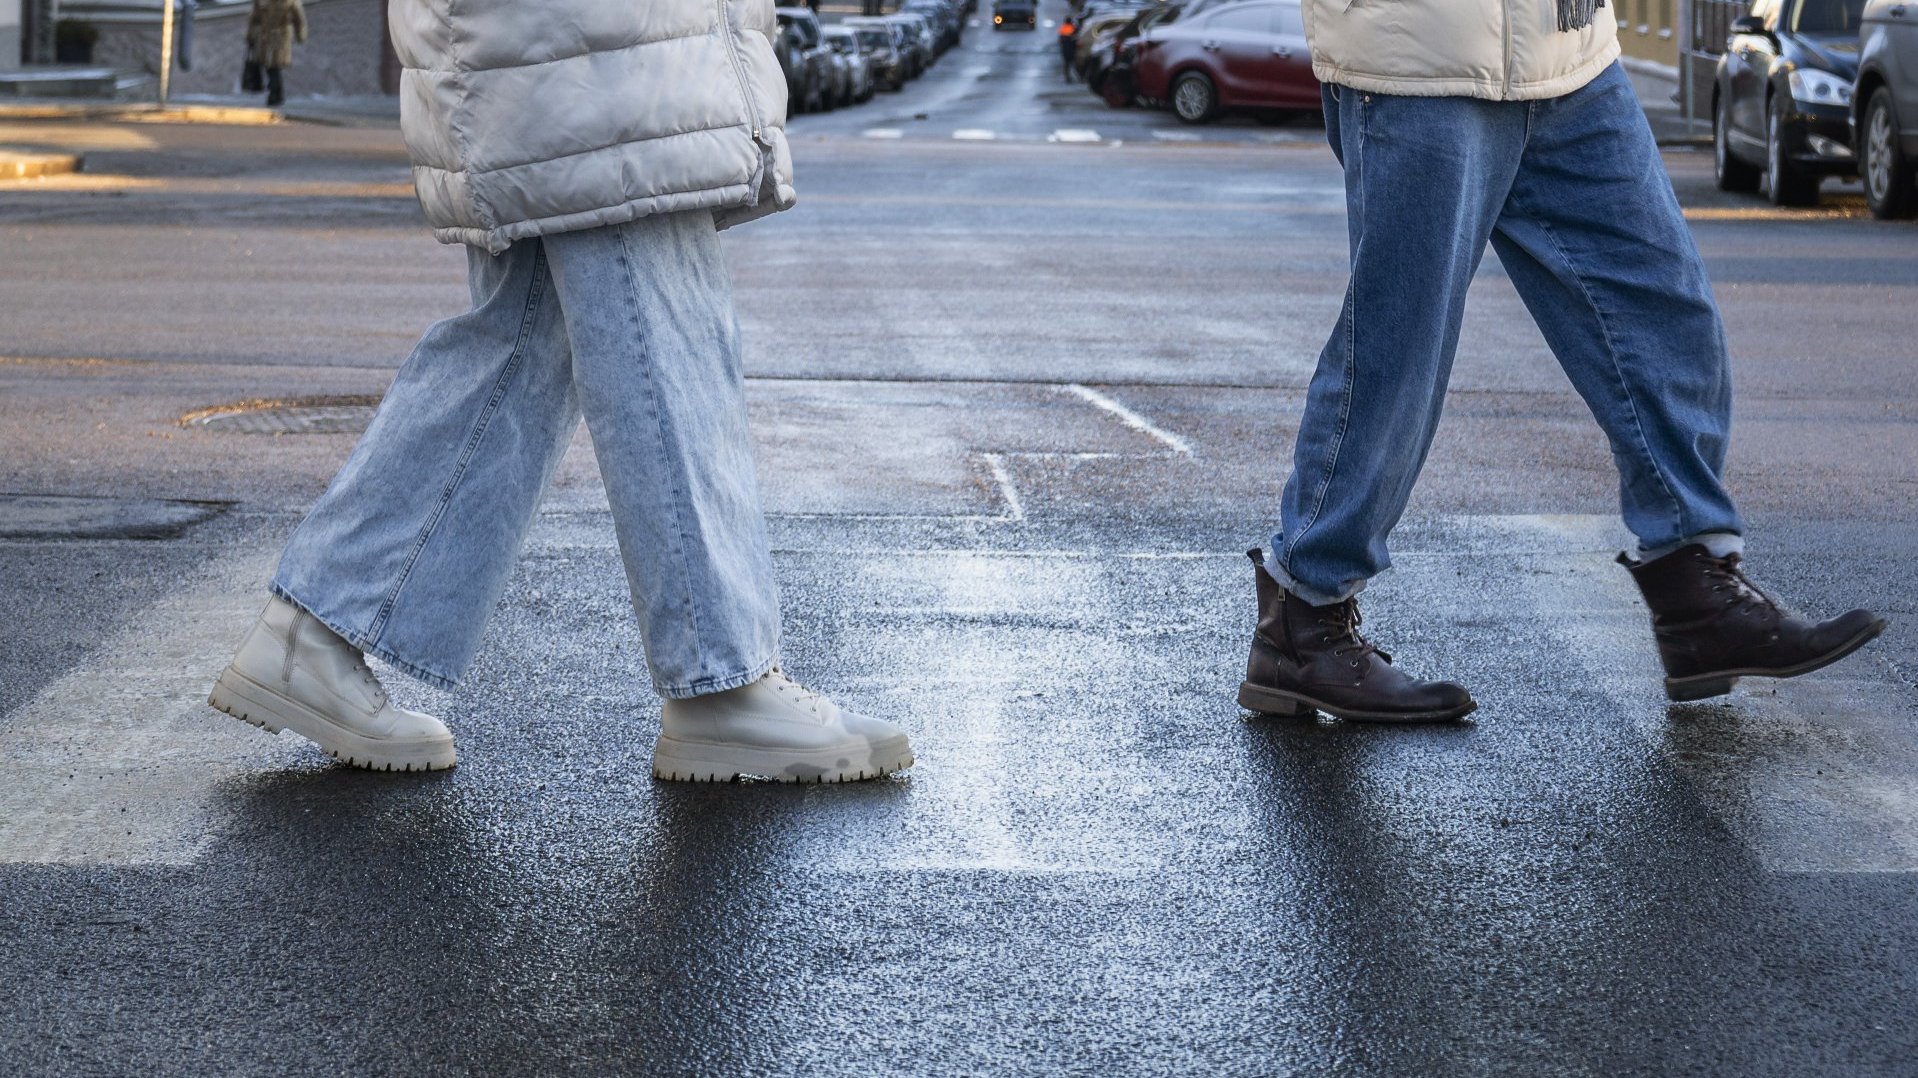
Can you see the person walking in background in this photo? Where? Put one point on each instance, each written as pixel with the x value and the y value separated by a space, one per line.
pixel 598 288
pixel 271 29
pixel 1463 122
pixel 1068 43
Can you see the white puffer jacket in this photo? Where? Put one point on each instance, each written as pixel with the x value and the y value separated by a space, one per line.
pixel 1501 50
pixel 527 117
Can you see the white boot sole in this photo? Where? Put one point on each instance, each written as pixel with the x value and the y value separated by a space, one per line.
pixel 677 760
pixel 249 701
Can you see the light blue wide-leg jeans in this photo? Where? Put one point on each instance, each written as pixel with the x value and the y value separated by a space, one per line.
pixel 408 551
pixel 1571 193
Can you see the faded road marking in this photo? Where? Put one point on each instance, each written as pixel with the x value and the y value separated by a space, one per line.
pixel 1131 418
pixel 1814 774
pixel 117 762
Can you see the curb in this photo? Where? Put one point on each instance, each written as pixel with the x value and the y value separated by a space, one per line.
pixel 143 113
pixel 29 164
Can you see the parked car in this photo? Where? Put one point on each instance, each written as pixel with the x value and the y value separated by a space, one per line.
pixel 1242 54
pixel 1015 14
pixel 844 42
pixel 1095 30
pixel 928 34
pixel 893 56
pixel 1885 107
pixel 806 59
pixel 1781 100
pixel 948 22
pixel 1111 69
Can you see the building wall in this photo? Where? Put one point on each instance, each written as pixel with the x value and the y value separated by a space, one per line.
pixel 1648 29
pixel 9 34
pixel 342 55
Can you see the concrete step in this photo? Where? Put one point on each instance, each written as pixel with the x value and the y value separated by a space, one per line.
pixel 71 81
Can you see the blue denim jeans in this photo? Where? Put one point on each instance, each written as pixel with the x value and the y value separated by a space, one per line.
pixel 1571 193
pixel 408 551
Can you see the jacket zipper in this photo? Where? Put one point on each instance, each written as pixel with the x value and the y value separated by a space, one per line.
pixel 1505 93
pixel 739 70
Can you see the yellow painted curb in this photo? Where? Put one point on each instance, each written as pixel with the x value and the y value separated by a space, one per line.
pixel 28 165
pixel 150 114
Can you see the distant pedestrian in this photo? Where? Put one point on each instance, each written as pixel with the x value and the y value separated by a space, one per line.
pixel 271 29
pixel 1520 130
pixel 1068 44
pixel 599 288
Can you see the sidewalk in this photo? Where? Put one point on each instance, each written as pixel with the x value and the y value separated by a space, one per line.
pixel 369 111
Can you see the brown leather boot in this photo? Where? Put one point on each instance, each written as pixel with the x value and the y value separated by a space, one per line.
pixel 1714 626
pixel 1307 658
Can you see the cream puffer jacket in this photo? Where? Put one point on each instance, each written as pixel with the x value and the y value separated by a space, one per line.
pixel 528 117
pixel 1501 50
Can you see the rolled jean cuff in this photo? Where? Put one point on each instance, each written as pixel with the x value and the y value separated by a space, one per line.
pixel 1310 594
pixel 1721 544
pixel 709 685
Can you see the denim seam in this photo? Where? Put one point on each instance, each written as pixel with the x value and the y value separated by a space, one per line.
pixel 1611 352
pixel 1350 361
pixel 659 428
pixel 369 647
pixel 535 292
pixel 708 685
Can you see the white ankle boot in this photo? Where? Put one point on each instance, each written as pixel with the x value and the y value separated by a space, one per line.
pixel 296 674
pixel 774 729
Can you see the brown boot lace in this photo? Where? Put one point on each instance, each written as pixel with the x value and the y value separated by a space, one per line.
pixel 1341 623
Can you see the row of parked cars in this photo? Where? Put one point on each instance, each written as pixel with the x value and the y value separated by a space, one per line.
pixel 1200 58
pixel 830 66
pixel 1812 88
pixel 1805 89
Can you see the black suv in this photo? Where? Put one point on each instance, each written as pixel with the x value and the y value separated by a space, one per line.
pixel 1781 107
pixel 1887 107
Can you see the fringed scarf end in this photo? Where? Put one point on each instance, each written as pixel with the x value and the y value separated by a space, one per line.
pixel 1577 14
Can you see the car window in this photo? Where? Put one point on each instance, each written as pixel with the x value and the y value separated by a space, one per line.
pixel 1255 18
pixel 1827 16
pixel 1287 20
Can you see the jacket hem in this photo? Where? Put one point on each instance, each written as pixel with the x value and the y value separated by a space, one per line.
pixel 730 205
pixel 1465 86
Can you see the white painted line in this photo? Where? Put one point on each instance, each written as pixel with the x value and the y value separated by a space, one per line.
pixel 119 762
pixel 1073 134
pixel 978 72
pixel 974 134
pixel 1015 510
pixel 885 132
pixel 1176 136
pixel 1131 418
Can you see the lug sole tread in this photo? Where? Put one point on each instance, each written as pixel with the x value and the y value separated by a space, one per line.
pixel 219 701
pixel 727 774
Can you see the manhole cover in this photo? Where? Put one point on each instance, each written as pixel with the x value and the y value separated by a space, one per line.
pixel 291 415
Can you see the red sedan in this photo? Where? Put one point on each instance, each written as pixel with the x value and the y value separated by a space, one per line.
pixel 1242 54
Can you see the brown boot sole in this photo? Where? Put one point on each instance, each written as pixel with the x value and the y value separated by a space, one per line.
pixel 1719 682
pixel 1265 701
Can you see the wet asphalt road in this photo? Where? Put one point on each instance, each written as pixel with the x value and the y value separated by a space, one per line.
pixel 1020 404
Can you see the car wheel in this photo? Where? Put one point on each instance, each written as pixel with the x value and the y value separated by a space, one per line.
pixel 1732 174
pixel 1194 99
pixel 1787 182
pixel 1888 176
pixel 1117 92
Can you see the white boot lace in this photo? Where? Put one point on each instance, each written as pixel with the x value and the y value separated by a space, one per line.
pixel 781 684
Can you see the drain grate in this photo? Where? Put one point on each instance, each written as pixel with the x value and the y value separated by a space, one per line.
pixel 290 415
